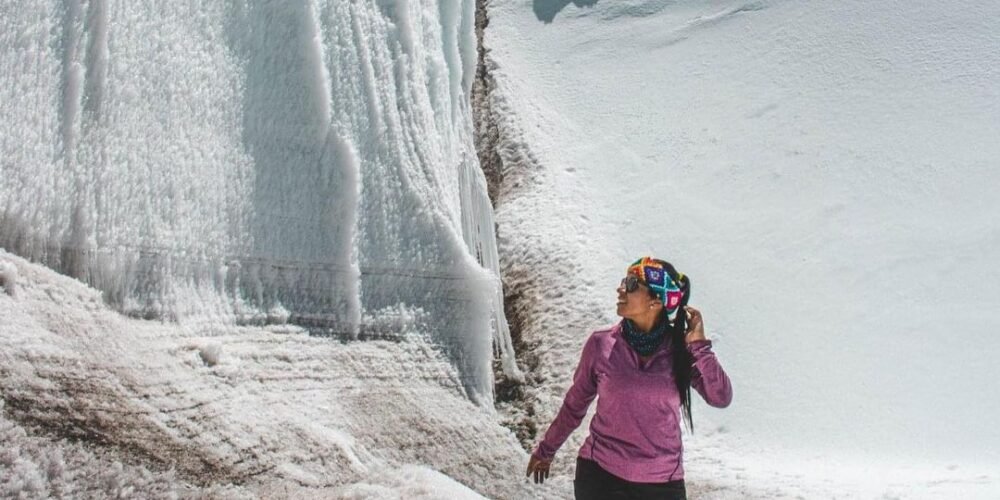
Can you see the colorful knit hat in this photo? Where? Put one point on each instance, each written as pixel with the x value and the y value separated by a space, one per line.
pixel 671 287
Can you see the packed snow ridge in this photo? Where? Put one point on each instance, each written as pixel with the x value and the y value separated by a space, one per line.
pixel 97 404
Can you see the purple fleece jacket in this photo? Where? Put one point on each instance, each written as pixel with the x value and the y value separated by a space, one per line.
pixel 636 432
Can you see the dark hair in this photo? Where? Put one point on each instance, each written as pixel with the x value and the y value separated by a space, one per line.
pixel 680 357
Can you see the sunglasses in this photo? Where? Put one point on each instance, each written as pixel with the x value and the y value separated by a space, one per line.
pixel 630 283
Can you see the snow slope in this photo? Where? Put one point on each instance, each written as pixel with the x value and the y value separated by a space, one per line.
pixel 823 171
pixel 99 405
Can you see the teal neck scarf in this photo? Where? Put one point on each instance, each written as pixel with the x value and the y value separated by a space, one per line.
pixel 644 343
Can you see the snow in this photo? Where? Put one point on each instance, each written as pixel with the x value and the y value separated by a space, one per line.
pixel 98 404
pixel 233 176
pixel 210 354
pixel 8 278
pixel 409 482
pixel 823 172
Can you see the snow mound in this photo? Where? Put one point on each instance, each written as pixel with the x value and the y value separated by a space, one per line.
pixel 8 278
pixel 277 411
pixel 33 466
pixel 408 483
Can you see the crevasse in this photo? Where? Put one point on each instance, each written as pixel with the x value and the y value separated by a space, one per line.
pixel 252 162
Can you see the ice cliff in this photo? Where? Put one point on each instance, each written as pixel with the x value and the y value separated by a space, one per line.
pixel 205 162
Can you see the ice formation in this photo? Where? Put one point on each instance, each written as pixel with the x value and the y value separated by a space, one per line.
pixel 251 163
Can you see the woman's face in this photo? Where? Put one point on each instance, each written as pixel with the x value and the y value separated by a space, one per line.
pixel 636 304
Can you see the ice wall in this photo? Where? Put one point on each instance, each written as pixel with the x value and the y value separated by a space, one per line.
pixel 251 162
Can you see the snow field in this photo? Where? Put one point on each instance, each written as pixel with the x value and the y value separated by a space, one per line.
pixel 817 170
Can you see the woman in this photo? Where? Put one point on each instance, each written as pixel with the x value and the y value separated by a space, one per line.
pixel 643 369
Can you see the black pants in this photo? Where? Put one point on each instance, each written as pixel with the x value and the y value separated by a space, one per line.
pixel 594 483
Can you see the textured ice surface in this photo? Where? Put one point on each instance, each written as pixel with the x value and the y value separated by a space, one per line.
pixel 99 405
pixel 8 278
pixel 254 162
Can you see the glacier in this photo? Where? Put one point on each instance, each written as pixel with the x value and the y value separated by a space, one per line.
pixel 254 163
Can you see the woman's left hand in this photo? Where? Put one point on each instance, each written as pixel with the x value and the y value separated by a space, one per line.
pixel 695 325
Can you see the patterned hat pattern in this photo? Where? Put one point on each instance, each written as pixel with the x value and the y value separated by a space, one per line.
pixel 655 275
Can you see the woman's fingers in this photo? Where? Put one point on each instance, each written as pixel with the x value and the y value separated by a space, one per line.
pixel 538 470
pixel 541 474
pixel 695 326
pixel 693 315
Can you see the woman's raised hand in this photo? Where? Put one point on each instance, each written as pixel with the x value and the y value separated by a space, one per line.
pixel 540 469
pixel 695 325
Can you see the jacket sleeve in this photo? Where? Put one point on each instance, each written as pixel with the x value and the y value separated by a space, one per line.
pixel 708 377
pixel 575 405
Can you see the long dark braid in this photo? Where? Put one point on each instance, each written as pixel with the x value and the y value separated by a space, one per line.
pixel 680 357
